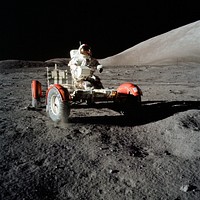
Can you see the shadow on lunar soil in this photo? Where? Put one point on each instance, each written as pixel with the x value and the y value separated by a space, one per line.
pixel 151 111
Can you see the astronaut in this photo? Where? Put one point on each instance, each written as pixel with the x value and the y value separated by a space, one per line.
pixel 81 61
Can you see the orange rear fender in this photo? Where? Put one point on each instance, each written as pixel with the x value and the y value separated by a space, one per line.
pixel 129 88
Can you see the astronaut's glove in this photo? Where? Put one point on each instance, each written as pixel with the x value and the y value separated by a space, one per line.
pixel 93 77
pixel 100 68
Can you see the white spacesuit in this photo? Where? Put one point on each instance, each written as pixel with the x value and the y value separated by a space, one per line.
pixel 83 66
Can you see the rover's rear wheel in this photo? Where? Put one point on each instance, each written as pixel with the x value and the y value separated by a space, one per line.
pixel 131 108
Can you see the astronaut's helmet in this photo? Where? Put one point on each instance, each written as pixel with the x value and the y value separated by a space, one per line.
pixel 85 50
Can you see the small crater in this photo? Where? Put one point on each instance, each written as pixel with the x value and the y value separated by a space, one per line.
pixel 191 123
pixel 105 138
pixel 137 151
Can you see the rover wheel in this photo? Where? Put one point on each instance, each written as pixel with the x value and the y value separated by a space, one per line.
pixel 36 90
pixel 58 109
pixel 132 106
pixel 35 103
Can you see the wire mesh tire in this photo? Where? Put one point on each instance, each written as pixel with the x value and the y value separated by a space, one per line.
pixel 58 109
pixel 131 108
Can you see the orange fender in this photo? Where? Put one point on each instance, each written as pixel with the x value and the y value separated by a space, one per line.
pixel 63 92
pixel 129 88
pixel 36 88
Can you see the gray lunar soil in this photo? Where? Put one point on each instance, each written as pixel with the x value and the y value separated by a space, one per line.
pixel 99 155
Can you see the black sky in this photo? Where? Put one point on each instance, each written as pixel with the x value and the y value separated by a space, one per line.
pixel 34 30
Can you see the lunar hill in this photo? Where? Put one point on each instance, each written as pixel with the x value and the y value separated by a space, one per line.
pixel 176 46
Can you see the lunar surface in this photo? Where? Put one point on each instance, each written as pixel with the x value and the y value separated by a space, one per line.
pixel 98 154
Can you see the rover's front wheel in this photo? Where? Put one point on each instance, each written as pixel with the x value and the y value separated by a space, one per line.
pixel 36 89
pixel 58 109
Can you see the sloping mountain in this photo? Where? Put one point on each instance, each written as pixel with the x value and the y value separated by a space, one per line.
pixel 178 45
